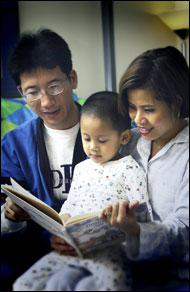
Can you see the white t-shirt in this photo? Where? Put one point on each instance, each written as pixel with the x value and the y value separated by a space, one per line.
pixel 60 147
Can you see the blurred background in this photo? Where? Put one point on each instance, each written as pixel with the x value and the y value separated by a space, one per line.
pixel 104 36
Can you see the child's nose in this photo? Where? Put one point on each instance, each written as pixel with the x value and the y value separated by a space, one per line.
pixel 93 146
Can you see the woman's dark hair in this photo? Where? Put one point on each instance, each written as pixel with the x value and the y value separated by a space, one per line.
pixel 104 105
pixel 44 48
pixel 164 73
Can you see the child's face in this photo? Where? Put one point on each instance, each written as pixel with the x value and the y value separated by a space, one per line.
pixel 100 141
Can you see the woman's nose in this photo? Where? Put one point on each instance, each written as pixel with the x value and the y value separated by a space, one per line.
pixel 139 118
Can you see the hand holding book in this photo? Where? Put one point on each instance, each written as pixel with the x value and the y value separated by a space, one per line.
pixel 61 246
pixel 13 212
pixel 122 215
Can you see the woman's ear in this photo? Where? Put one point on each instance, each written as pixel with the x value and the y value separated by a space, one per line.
pixel 125 137
pixel 179 106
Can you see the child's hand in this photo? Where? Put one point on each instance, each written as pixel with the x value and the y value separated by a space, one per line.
pixel 122 215
pixel 61 246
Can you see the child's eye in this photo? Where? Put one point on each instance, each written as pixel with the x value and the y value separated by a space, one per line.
pixel 103 141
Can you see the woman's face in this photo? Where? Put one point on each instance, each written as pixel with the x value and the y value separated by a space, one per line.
pixel 153 117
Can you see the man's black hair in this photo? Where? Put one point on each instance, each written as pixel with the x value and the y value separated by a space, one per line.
pixel 41 49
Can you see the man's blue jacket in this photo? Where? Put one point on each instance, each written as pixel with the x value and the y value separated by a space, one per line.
pixel 24 157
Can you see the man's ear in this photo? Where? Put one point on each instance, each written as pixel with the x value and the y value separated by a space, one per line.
pixel 21 93
pixel 74 79
pixel 19 90
pixel 125 137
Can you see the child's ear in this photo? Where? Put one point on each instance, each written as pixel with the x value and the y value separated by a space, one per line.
pixel 125 137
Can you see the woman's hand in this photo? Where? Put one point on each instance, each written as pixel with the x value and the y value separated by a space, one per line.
pixel 61 246
pixel 13 212
pixel 122 215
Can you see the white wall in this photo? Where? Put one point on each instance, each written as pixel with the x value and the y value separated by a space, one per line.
pixel 79 23
pixel 136 32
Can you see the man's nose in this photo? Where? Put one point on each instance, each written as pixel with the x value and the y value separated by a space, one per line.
pixel 47 100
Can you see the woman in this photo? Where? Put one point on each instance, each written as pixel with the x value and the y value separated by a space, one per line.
pixel 154 89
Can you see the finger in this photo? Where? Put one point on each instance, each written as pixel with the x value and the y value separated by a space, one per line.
pixel 133 204
pixel 57 239
pixel 15 218
pixel 63 248
pixel 122 209
pixel 105 213
pixel 69 253
pixel 108 213
pixel 115 210
pixel 102 214
pixel 12 207
pixel 60 244
pixel 8 210
pixel 131 208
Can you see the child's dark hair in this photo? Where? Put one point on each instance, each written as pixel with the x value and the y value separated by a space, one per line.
pixel 44 48
pixel 104 105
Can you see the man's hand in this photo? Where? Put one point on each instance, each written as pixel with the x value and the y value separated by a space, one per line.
pixel 13 212
pixel 122 215
pixel 61 246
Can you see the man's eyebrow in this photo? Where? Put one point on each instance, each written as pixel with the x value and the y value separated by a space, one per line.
pixel 49 82
pixel 30 87
pixel 54 80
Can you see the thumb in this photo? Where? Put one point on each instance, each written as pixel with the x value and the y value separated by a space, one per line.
pixel 133 204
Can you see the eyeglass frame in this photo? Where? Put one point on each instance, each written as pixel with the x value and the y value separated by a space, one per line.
pixel 40 92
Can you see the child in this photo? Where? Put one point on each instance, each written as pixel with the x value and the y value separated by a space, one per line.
pixel 105 178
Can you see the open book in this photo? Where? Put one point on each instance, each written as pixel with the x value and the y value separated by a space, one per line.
pixel 84 232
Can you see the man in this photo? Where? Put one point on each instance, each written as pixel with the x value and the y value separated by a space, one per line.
pixel 40 154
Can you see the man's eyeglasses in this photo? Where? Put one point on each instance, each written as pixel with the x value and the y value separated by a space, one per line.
pixel 54 89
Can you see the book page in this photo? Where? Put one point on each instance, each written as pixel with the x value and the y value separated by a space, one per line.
pixel 35 214
pixel 20 192
pixel 93 233
pixel 41 218
pixel 78 218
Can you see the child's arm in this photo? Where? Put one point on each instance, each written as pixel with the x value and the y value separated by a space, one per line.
pixel 122 215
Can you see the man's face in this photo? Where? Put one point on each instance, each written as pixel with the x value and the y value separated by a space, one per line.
pixel 57 111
